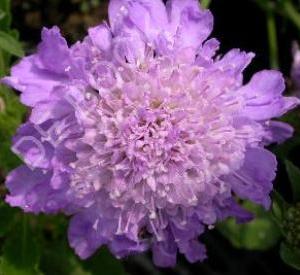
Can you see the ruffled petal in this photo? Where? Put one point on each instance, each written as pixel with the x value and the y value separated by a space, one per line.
pixel 278 132
pixel 136 24
pixel 35 84
pixel 28 144
pixel 189 24
pixel 193 250
pixel 19 182
pixel 54 108
pixel 233 209
pixel 149 16
pixel 123 247
pixel 31 191
pixel 207 52
pixel 164 254
pixel 101 37
pixel 254 179
pixel 235 62
pixel 263 96
pixel 83 233
pixel 53 51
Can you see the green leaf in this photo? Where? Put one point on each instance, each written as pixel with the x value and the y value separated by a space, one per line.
pixel 103 260
pixel 6 218
pixel 294 176
pixel 20 253
pixel 5 15
pixel 63 263
pixel 260 234
pixel 205 3
pixel 10 118
pixel 10 44
pixel 3 65
pixel 66 263
pixel 290 255
pixel 279 207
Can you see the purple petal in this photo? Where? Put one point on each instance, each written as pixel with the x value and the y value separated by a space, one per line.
pixel 53 51
pixel 19 182
pixel 264 98
pixel 28 145
pixel 83 233
pixel 164 254
pixel 254 179
pixel 279 131
pixel 189 23
pixel 235 62
pixel 35 84
pixel 193 250
pixel 234 209
pixel 101 37
pixel 149 16
pixel 207 52
pixel 56 109
pixel 30 190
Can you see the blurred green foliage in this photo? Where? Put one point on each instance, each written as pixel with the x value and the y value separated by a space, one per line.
pixel 11 111
pixel 261 233
pixel 10 118
pixel 290 255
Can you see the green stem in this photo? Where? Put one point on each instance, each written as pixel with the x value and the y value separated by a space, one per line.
pixel 291 12
pixel 205 3
pixel 272 36
pixel 24 237
pixel 2 64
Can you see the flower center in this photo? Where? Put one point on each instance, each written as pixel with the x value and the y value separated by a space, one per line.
pixel 161 133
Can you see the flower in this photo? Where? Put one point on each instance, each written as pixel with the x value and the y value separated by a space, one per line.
pixel 141 134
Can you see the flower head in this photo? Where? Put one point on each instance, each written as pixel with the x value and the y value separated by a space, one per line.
pixel 142 134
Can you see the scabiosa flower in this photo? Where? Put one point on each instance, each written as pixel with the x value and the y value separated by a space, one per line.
pixel 141 134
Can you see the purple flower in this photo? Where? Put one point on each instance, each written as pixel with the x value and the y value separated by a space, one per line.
pixel 141 134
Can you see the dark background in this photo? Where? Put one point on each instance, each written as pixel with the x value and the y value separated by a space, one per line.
pixel 238 24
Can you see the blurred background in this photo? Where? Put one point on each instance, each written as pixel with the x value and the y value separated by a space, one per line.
pixel 268 245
